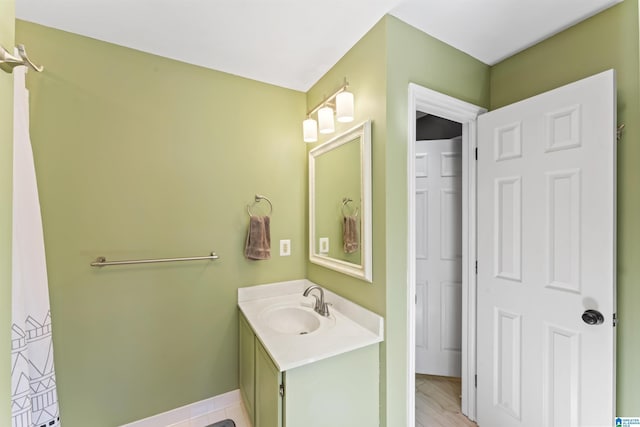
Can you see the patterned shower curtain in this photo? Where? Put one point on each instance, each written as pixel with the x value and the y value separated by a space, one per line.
pixel 34 401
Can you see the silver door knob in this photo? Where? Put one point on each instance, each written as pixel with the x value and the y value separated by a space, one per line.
pixel 592 317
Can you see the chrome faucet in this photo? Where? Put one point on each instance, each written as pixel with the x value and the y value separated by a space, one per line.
pixel 321 307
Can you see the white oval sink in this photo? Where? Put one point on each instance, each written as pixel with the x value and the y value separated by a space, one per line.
pixel 292 320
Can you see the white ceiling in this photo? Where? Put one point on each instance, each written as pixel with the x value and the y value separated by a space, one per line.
pixel 292 43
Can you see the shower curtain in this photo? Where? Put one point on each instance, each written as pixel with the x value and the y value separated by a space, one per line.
pixel 34 400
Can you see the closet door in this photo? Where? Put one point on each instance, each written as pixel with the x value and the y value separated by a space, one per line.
pixel 439 257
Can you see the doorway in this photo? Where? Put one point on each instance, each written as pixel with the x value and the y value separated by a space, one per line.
pixel 438 228
pixel 462 114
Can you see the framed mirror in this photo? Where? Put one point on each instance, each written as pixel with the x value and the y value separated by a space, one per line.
pixel 340 203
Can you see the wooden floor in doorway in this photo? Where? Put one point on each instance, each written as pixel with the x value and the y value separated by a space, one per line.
pixel 438 402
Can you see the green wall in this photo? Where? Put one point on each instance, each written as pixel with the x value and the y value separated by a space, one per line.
pixel 7 15
pixel 143 157
pixel 608 40
pixel 379 68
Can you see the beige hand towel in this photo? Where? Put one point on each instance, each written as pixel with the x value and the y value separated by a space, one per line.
pixel 350 234
pixel 258 245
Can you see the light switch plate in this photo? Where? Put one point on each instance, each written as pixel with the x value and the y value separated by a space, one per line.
pixel 285 247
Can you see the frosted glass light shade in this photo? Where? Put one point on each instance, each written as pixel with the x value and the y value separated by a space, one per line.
pixel 325 118
pixel 344 107
pixel 310 130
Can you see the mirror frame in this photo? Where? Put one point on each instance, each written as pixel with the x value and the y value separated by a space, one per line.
pixel 364 269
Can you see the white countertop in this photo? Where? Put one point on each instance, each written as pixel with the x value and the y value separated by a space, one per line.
pixel 348 327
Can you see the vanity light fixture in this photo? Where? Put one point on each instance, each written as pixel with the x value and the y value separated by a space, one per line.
pixel 325 120
pixel 342 101
pixel 310 130
pixel 344 107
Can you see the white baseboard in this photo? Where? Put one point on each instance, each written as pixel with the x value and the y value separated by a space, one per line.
pixel 185 414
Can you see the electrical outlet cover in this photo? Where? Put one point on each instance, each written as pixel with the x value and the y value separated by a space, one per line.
pixel 324 245
pixel 285 247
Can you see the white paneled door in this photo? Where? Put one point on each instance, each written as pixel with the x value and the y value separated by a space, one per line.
pixel 439 256
pixel 546 259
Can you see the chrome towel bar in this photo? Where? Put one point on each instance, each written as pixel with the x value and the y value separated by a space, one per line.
pixel 102 261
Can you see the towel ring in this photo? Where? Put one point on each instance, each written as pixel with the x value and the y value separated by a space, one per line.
pixel 259 197
pixel 345 202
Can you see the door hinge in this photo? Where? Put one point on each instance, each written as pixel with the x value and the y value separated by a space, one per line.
pixel 476 153
pixel 475 381
pixel 416 298
pixel 615 320
pixel 281 390
pixel 476 268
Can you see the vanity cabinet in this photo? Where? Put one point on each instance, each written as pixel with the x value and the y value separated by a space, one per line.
pixel 338 391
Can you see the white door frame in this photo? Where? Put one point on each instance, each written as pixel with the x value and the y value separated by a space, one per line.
pixel 438 104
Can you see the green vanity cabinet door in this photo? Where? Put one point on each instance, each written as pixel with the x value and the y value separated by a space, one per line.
pixel 247 366
pixel 268 404
pixel 340 391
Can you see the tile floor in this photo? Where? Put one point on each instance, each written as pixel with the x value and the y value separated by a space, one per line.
pixel 236 412
pixel 438 402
